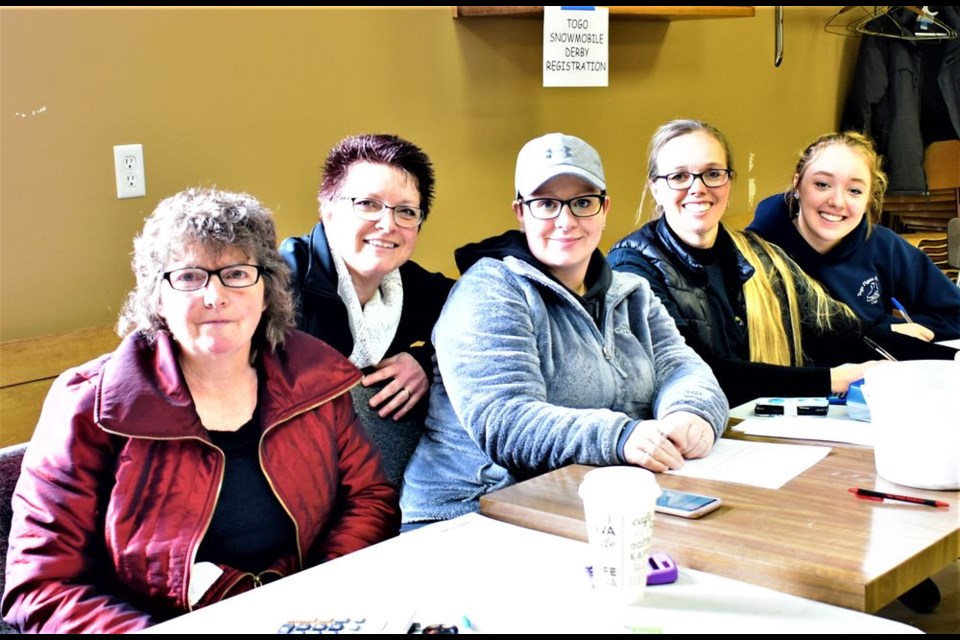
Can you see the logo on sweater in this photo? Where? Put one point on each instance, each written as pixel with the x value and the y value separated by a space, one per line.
pixel 870 290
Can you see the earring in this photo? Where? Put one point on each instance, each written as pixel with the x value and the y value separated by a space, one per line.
pixel 795 205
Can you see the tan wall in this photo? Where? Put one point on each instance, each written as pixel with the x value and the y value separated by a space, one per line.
pixel 252 99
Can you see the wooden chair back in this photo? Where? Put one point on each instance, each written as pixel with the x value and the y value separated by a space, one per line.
pixel 10 461
pixel 929 211
pixel 28 368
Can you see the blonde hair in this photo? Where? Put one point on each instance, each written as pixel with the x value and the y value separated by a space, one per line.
pixel 769 342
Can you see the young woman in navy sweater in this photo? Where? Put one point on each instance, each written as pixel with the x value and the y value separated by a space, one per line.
pixel 827 224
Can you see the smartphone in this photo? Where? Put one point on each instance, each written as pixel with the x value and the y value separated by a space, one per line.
pixel 686 505
pixel 791 407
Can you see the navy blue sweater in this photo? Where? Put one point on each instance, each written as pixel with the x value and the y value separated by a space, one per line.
pixel 865 272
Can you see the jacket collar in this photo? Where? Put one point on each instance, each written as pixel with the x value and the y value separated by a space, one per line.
pixel 686 260
pixel 142 392
pixel 514 244
pixel 321 275
pixel 618 287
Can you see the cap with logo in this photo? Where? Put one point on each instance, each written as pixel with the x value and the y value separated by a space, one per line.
pixel 556 154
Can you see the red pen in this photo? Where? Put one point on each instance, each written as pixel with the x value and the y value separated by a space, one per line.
pixel 880 495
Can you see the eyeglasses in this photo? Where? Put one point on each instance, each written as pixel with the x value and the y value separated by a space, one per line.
pixel 237 276
pixel 684 179
pixel 581 206
pixel 405 215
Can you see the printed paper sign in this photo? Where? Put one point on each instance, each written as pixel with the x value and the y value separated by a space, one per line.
pixel 575 46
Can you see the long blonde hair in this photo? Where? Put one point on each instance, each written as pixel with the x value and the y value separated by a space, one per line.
pixel 769 339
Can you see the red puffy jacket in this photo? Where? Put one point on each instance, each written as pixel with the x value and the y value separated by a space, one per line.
pixel 120 482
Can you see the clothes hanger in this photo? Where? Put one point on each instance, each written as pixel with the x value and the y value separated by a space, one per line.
pixel 900 22
pixel 925 23
pixel 844 22
pixel 907 23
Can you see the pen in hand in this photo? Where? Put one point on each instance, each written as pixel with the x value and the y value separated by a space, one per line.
pixel 876 347
pixel 899 307
pixel 881 495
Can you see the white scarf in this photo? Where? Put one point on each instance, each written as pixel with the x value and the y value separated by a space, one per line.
pixel 374 324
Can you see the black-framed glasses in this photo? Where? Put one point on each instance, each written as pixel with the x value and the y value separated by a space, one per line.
pixel 684 179
pixel 404 215
pixel 581 206
pixel 236 276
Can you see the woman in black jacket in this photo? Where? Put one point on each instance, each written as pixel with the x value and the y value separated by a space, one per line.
pixel 765 327
pixel 358 290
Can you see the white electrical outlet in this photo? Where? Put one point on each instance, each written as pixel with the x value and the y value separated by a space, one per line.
pixel 131 177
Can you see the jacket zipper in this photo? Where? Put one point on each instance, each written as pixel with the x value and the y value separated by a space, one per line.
pixel 196 545
pixel 255 578
pixel 185 587
pixel 605 348
pixel 273 489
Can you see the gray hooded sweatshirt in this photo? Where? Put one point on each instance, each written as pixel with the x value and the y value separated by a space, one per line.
pixel 527 381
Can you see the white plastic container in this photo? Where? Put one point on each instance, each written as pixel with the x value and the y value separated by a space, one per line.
pixel 915 408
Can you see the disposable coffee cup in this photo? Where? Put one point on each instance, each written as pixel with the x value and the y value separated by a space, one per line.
pixel 619 506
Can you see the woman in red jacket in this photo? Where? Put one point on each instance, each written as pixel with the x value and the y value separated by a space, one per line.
pixel 215 450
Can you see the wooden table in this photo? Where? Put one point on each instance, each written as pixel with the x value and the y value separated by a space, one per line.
pixel 811 538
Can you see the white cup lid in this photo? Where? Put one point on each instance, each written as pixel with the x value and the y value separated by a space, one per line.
pixel 619 484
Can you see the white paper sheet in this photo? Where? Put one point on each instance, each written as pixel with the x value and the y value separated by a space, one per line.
pixel 836 426
pixel 809 428
pixel 760 464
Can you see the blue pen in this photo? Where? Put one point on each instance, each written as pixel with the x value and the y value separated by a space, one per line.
pixel 467 625
pixel 899 307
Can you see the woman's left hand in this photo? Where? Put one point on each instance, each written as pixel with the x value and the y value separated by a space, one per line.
pixel 408 383
pixel 692 435
pixel 650 447
pixel 913 330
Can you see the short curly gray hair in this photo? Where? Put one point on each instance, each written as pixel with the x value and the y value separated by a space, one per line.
pixel 214 221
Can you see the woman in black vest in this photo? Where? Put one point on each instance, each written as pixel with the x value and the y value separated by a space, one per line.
pixel 765 327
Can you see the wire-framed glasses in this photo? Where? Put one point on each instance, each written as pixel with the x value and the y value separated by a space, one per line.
pixel 404 215
pixel 684 179
pixel 581 206
pixel 236 276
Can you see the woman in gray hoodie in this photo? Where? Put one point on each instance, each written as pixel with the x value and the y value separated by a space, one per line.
pixel 546 357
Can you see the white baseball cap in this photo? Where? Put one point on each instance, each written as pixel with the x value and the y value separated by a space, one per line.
pixel 556 154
